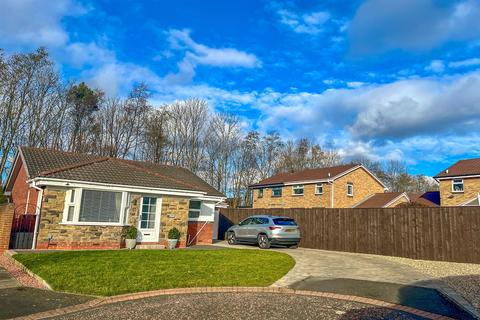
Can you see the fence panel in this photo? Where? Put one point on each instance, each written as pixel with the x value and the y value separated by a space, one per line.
pixel 443 233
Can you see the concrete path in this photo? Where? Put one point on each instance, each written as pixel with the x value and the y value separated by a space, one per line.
pixel 6 280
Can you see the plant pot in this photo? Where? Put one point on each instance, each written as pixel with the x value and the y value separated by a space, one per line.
pixel 130 243
pixel 172 243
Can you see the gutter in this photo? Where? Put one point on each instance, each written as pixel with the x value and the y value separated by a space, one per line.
pixel 37 214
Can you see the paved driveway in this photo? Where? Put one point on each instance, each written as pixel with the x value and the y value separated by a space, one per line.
pixel 331 271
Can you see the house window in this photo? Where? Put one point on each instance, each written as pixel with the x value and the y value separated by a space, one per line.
pixel 260 193
pixel 298 190
pixel 149 209
pixel 319 188
pixel 350 189
pixel 70 205
pixel 100 206
pixel 194 209
pixel 95 207
pixel 277 192
pixel 457 185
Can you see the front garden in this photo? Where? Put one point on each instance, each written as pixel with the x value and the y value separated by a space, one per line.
pixel 107 273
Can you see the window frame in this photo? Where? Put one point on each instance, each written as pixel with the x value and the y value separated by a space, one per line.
pixel 199 210
pixel 273 192
pixel 316 188
pixel 459 181
pixel 349 194
pixel 77 203
pixel 298 187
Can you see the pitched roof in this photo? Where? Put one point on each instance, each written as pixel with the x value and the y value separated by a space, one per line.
pixel 90 168
pixel 305 175
pixel 379 200
pixel 426 199
pixel 461 168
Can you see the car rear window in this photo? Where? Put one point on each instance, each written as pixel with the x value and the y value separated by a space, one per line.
pixel 284 222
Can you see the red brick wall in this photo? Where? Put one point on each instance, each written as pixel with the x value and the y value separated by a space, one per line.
pixel 6 218
pixel 20 193
pixel 204 237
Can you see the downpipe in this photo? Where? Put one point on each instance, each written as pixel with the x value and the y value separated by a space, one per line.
pixel 37 214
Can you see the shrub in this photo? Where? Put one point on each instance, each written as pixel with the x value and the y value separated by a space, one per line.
pixel 174 234
pixel 132 232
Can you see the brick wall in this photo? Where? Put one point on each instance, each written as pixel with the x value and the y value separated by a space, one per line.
pixel 471 188
pixel 6 218
pixel 363 183
pixel 363 186
pixel 206 234
pixel 20 197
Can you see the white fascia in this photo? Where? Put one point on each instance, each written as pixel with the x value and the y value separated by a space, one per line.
pixel 114 187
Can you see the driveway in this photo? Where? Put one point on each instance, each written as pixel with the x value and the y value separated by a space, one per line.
pixel 369 276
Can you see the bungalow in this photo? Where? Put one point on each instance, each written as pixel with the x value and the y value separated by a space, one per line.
pixel 460 183
pixel 333 187
pixel 83 201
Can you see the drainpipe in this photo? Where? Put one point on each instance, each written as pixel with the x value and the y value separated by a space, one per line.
pixel 37 214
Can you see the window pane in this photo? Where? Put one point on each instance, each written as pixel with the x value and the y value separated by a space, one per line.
pixel 284 222
pixel 100 206
pixel 72 196
pixel 71 209
pixel 148 213
pixel 276 192
pixel 319 188
pixel 195 204
pixel 298 190
pixel 193 213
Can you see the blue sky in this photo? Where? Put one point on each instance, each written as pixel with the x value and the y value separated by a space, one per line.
pixel 378 78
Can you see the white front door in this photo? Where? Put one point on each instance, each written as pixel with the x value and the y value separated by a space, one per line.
pixel 149 219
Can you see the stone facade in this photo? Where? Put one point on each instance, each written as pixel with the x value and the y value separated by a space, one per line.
pixel 72 236
pixel 471 188
pixel 363 186
pixel 174 214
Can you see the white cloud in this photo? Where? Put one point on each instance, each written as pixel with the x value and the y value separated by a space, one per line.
pixel 310 23
pixel 39 23
pixel 465 63
pixel 413 25
pixel 199 54
pixel 436 66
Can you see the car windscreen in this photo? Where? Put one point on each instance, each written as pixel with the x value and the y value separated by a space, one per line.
pixel 284 222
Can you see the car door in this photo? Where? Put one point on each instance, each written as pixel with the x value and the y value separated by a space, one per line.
pixel 242 231
pixel 256 227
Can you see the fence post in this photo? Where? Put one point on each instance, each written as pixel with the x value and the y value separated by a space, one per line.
pixel 6 220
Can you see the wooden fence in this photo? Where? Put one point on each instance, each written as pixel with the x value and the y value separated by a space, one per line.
pixel 443 233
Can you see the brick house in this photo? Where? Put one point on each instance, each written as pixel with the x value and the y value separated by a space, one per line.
pixel 334 187
pixel 460 183
pixel 82 201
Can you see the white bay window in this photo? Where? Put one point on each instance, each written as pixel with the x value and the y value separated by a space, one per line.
pixel 95 207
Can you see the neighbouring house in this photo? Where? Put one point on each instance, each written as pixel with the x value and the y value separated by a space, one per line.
pixel 398 199
pixel 460 183
pixel 83 201
pixel 334 187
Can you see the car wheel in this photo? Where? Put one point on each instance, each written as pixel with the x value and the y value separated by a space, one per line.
pixel 263 241
pixel 231 238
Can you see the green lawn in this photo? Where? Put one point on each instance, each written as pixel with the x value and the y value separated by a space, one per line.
pixel 107 273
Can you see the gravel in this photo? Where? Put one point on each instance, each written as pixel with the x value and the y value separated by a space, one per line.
pixel 19 274
pixel 462 277
pixel 238 306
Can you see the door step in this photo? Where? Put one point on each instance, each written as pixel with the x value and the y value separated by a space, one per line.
pixel 150 246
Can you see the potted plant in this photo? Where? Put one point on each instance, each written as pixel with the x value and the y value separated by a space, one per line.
pixel 131 237
pixel 173 236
